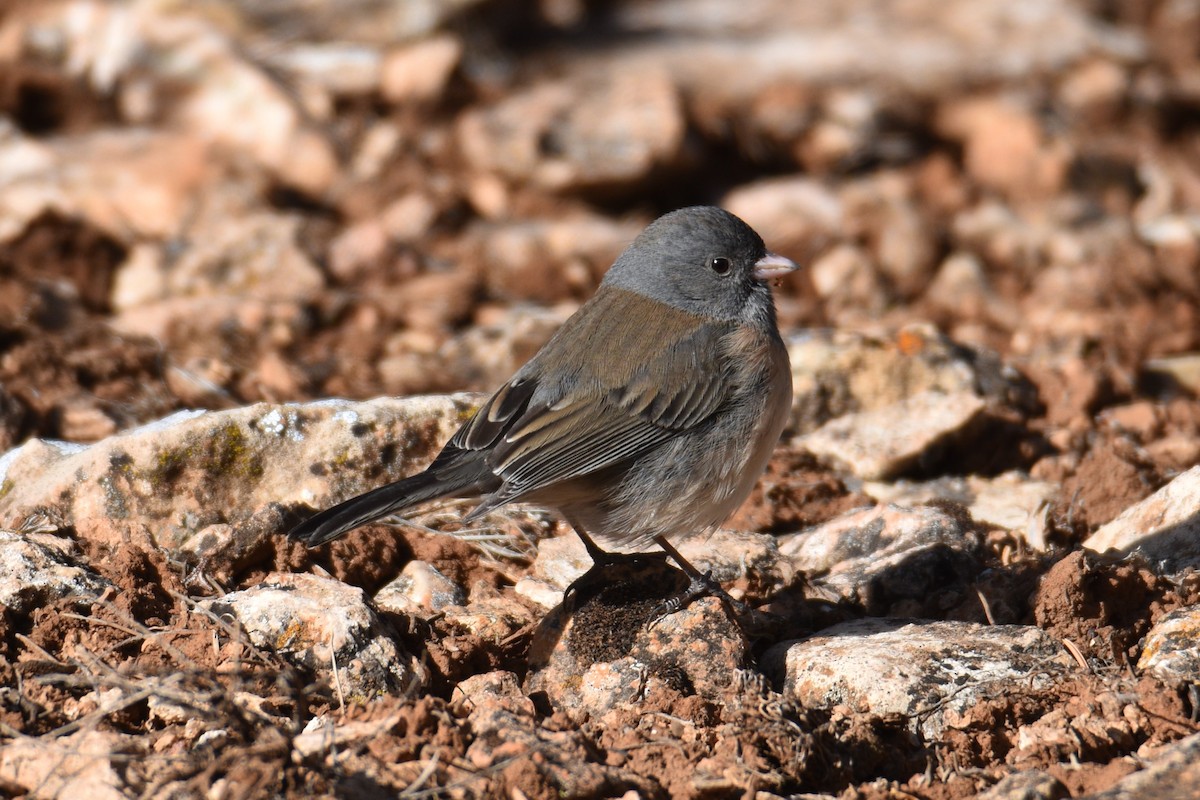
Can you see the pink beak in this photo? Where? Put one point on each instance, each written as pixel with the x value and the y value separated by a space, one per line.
pixel 772 266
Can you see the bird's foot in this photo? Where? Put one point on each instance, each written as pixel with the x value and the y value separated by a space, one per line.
pixel 702 584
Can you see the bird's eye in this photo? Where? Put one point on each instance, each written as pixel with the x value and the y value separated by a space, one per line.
pixel 721 265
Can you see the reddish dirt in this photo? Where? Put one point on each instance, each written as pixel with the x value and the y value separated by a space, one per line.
pixel 1114 433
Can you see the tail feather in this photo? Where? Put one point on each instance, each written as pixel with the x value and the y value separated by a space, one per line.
pixel 346 516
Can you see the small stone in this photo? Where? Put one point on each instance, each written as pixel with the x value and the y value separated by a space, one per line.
pixel 597 130
pixel 788 212
pixel 498 689
pixel 1163 528
pixel 33 575
pixel 849 283
pixel 323 625
pixel 887 559
pixel 418 72
pixel 420 589
pixel 886 443
pixel 1183 370
pixel 82 421
pixel 1174 772
pixel 139 279
pixel 409 217
pixel 1011 500
pixel 1171 650
pixel 925 671
pixel 1028 785
pixel 87 763
pixel 342 68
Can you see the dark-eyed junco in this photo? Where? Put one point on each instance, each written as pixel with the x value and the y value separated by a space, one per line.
pixel 648 416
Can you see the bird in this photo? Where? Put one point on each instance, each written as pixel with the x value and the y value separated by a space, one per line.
pixel 649 415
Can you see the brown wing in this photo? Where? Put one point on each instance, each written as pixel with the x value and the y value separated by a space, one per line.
pixel 653 377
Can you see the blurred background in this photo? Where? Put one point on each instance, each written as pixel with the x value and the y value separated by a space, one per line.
pixel 209 204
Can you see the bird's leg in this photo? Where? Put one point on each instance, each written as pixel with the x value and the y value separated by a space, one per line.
pixel 604 558
pixel 702 584
pixel 604 561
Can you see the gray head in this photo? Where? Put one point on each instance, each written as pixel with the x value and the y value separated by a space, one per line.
pixel 703 260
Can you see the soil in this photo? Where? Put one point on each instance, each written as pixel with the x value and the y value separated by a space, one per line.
pixel 1110 432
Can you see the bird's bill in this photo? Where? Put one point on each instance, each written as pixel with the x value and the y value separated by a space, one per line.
pixel 773 266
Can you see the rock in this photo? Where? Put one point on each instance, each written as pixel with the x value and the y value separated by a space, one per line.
pixel 1027 785
pixel 341 68
pixel 81 421
pixel 507 743
pixel 1095 87
pixel 140 279
pixel 933 673
pixel 178 476
pixel 235 104
pixel 599 130
pixel 488 353
pixel 418 72
pixel 1171 650
pixel 559 562
pixel 789 213
pixel 837 372
pixel 849 283
pixel 491 691
pixel 1012 500
pixel 324 626
pixel 1004 147
pixel 1163 528
pixel 962 287
pixel 1181 370
pixel 419 589
pixel 602 653
pixel 548 260
pixel 88 764
pixel 158 175
pixel 1174 773
pixel 366 21
pixel 1109 720
pixel 253 255
pixel 888 559
pixel 36 570
pixel 335 738
pixel 924 48
pixel 890 441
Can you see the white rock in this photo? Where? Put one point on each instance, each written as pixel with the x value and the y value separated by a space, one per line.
pixel 33 575
pixel 196 469
pixel 253 255
pixel 926 671
pixel 1012 500
pixel 497 689
pixel 338 67
pixel 792 209
pixel 1164 528
pixel 885 443
pixel 599 129
pixel 318 623
pixel 837 372
pixel 419 71
pixel 420 589
pixel 75 766
pixel 1171 650
pixel 883 556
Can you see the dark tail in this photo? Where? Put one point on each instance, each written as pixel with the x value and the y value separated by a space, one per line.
pixel 345 517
